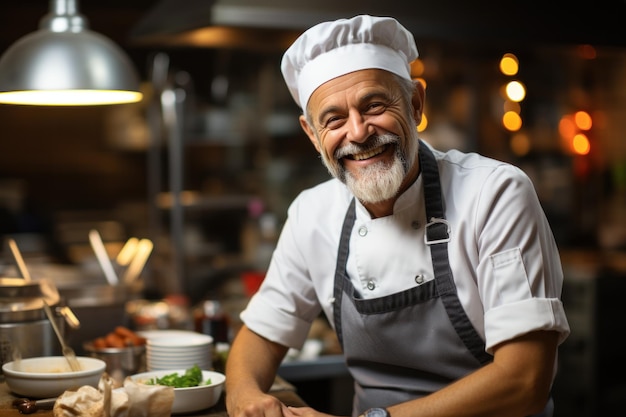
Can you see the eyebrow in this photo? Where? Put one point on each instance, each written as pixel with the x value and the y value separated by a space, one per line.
pixel 383 95
pixel 328 110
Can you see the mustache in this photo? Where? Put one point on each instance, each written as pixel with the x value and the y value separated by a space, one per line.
pixel 372 142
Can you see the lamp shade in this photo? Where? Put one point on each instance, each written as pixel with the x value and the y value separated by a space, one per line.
pixel 65 63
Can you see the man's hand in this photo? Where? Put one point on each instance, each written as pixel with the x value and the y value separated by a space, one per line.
pixel 256 405
pixel 250 371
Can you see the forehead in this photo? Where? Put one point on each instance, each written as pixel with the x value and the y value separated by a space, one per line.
pixel 351 85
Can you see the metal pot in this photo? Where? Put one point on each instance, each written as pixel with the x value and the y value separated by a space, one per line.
pixel 25 330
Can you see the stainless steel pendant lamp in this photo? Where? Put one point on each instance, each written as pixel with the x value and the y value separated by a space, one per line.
pixel 66 64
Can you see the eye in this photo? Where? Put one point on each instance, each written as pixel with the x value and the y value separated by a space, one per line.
pixel 375 107
pixel 333 122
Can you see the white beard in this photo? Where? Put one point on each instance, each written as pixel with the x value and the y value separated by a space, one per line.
pixel 378 182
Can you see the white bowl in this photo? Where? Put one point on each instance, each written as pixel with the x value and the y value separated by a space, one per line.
pixel 192 399
pixel 50 376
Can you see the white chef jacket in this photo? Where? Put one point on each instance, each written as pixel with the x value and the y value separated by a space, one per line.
pixel 502 253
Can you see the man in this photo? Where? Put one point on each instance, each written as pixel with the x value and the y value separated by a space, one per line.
pixel 438 271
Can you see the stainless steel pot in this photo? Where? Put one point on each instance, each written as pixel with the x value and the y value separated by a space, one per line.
pixel 25 330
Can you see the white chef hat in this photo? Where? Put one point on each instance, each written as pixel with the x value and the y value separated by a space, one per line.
pixel 332 49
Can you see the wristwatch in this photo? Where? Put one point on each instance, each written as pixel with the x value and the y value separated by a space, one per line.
pixel 376 412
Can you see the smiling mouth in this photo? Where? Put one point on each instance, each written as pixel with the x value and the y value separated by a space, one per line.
pixel 369 154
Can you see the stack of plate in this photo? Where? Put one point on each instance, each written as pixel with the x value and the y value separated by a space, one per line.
pixel 177 349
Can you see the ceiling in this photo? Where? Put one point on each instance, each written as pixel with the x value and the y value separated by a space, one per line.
pixel 600 22
pixel 479 23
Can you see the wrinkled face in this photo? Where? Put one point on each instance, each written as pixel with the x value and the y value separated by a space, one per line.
pixel 364 127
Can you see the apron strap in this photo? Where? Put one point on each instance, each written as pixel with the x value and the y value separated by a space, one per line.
pixel 437 235
pixel 340 269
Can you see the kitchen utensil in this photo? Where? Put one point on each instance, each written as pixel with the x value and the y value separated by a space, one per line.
pixel 19 260
pixel 103 257
pixel 127 253
pixel 144 249
pixel 67 351
pixel 51 295
pixel 28 406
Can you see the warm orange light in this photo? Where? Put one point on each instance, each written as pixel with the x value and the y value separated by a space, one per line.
pixel 417 68
pixel 567 127
pixel 580 144
pixel 509 64
pixel 512 121
pixel 423 123
pixel 583 120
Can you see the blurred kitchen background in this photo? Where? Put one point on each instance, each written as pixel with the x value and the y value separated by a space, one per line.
pixel 208 176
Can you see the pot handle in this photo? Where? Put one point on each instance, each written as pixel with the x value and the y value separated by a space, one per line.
pixel 69 316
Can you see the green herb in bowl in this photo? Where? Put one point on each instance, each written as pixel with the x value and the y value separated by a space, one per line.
pixel 191 378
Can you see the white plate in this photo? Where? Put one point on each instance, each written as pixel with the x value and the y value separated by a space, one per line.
pixel 154 334
pixel 179 351
pixel 180 341
pixel 154 365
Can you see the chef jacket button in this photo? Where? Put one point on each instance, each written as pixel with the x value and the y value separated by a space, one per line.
pixel 415 224
pixel 362 231
pixel 419 279
pixel 371 285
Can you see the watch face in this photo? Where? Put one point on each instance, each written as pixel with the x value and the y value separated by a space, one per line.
pixel 377 412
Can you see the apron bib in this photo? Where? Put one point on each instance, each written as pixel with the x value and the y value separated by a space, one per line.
pixel 406 345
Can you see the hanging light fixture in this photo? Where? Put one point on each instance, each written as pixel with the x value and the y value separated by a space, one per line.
pixel 66 64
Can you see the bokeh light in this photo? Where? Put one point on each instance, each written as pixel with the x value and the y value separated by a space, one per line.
pixel 509 65
pixel 512 121
pixel 583 120
pixel 417 68
pixel 580 144
pixel 515 91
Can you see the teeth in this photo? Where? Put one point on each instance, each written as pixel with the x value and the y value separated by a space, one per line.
pixel 368 154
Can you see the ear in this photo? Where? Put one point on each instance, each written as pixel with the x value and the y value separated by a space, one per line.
pixel 418 101
pixel 309 132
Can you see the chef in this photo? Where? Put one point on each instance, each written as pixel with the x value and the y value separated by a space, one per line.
pixel 437 270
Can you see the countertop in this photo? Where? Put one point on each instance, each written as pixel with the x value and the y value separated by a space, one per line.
pixel 281 390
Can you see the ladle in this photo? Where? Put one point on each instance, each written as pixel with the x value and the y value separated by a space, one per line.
pixel 68 352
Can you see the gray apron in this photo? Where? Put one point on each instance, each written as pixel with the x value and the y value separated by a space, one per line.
pixel 398 347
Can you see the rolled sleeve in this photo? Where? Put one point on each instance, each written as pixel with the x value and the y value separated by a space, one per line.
pixel 512 320
pixel 274 324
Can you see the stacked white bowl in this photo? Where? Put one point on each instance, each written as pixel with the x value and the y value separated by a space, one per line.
pixel 177 349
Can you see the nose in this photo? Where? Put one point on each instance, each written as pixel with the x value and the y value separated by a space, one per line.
pixel 359 129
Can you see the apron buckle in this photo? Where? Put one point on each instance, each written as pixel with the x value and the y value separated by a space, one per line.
pixel 437 231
